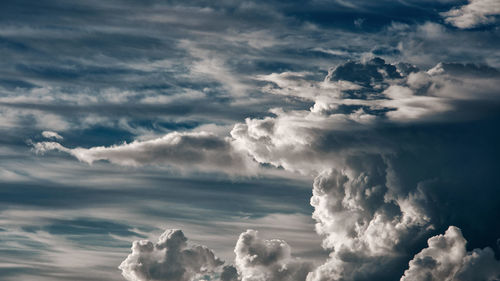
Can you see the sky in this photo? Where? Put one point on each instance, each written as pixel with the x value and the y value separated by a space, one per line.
pixel 342 140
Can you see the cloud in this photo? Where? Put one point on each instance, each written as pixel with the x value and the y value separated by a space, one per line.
pixel 51 135
pixel 446 258
pixel 473 14
pixel 267 260
pixel 377 223
pixel 352 103
pixel 377 157
pixel 172 259
pixel 169 259
pixel 229 273
pixel 376 136
pixel 398 143
pixel 198 150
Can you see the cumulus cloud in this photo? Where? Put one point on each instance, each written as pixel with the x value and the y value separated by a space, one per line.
pixel 51 135
pixel 473 14
pixel 369 140
pixel 366 221
pixel 267 260
pixel 198 150
pixel 379 94
pixel 446 258
pixel 372 201
pixel 171 258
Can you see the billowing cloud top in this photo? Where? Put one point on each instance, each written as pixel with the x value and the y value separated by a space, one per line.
pixel 380 189
pixel 446 258
pixel 170 259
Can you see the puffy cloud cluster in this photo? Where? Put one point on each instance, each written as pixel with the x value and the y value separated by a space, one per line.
pixel 169 259
pixel 364 220
pixel 267 260
pixel 446 258
pixel 375 153
pixel 475 13
pixel 172 259
pixel 199 150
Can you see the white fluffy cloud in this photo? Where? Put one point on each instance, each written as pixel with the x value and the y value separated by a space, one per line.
pixel 267 260
pixel 51 135
pixel 342 119
pixel 475 13
pixel 363 219
pixel 446 259
pixel 197 150
pixel 366 209
pixel 170 259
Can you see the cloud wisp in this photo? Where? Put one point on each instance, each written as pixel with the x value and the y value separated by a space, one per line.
pixel 202 151
pixel 473 14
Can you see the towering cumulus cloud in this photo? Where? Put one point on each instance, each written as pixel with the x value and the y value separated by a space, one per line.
pixel 383 142
pixel 398 155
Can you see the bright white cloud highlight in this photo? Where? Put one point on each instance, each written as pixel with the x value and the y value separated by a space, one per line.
pixel 267 260
pixel 446 259
pixel 170 259
pixel 51 135
pixel 475 13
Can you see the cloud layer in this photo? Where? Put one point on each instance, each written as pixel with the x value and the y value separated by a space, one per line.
pixel 348 94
